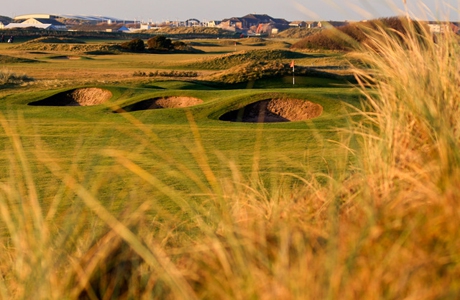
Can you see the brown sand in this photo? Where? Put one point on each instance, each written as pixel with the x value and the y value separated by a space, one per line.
pixel 176 102
pixel 77 97
pixel 163 102
pixel 89 96
pixel 66 57
pixel 275 110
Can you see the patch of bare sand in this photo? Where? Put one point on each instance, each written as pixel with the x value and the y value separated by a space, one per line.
pixel 275 110
pixel 164 102
pixel 77 97
pixel 66 57
pixel 89 96
pixel 176 102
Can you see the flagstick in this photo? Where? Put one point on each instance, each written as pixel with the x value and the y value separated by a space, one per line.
pixel 293 74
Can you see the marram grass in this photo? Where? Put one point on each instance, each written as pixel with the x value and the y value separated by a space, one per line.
pixel 387 226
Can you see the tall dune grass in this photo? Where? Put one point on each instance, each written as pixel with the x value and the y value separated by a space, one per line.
pixel 8 77
pixel 386 226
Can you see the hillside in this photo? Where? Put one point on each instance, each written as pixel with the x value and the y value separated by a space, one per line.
pixel 233 59
pixel 353 35
pixel 191 32
pixel 298 33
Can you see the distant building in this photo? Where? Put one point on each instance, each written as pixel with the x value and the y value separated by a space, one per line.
pixel 4 21
pixel 298 24
pixel 138 26
pixel 192 22
pixel 34 16
pixel 252 22
pixel 144 26
pixel 54 23
pixel 443 27
pixel 312 24
pixel 264 29
pixel 47 24
pixel 71 19
pixel 101 27
pixel 2 25
pixel 235 23
pixel 214 23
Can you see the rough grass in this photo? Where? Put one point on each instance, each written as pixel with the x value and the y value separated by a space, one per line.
pixel 6 59
pixel 256 70
pixel 55 40
pixel 354 35
pixel 10 78
pixel 233 59
pixel 298 33
pixel 69 47
pixel 192 31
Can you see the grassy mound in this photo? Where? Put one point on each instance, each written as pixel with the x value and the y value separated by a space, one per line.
pixel 253 42
pixel 355 35
pixel 80 48
pixel 191 31
pixel 298 33
pixel 267 43
pixel 256 70
pixel 250 71
pixel 6 59
pixel 55 40
pixel 230 60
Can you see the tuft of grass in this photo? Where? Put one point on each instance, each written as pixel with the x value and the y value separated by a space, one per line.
pixel 8 78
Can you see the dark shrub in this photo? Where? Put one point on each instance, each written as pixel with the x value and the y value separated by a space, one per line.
pixel 159 42
pixel 178 45
pixel 136 45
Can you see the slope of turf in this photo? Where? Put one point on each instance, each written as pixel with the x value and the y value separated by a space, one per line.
pixel 230 60
pixel 6 59
pixel 164 141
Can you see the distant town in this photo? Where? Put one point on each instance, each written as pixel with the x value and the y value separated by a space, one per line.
pixel 249 25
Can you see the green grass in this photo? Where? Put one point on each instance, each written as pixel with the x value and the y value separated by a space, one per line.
pixel 289 148
pixel 233 59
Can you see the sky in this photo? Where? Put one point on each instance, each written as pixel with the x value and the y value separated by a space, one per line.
pixel 206 10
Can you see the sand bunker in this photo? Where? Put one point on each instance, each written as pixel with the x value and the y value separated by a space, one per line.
pixel 63 57
pixel 77 97
pixel 275 110
pixel 163 102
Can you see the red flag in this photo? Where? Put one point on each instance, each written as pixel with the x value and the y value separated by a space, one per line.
pixel 292 64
